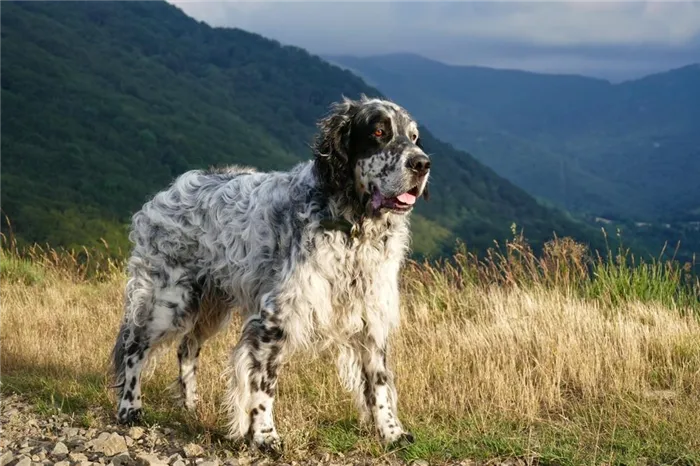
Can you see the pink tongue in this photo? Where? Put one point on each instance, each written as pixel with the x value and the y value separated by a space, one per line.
pixel 407 198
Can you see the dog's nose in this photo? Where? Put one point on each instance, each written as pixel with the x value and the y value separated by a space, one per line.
pixel 419 163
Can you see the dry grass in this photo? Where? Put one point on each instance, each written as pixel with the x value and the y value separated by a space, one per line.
pixel 488 364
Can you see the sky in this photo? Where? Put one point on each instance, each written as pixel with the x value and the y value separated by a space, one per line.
pixel 611 40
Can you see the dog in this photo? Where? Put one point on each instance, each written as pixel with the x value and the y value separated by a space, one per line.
pixel 310 257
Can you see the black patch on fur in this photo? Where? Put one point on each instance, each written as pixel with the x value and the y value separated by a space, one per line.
pixel 252 335
pixel 273 320
pixel 275 333
pixel 168 304
pixel 272 369
pixel 132 349
pixel 368 391
pixel 263 384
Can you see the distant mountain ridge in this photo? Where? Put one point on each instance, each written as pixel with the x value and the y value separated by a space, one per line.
pixel 625 150
pixel 104 103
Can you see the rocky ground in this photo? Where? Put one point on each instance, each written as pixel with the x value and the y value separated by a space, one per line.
pixel 29 438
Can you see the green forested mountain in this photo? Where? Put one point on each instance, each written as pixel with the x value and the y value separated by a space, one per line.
pixel 628 150
pixel 103 103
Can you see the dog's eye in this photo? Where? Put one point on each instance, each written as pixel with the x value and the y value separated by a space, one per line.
pixel 379 132
pixel 414 137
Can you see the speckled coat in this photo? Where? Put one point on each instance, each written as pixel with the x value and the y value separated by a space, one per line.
pixel 310 257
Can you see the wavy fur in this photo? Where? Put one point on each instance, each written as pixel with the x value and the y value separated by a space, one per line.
pixel 235 238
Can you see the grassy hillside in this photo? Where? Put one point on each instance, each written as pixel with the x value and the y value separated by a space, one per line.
pixel 525 359
pixel 628 150
pixel 104 103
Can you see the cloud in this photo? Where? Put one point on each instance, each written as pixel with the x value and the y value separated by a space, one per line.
pixel 572 36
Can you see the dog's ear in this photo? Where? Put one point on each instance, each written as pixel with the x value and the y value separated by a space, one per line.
pixel 332 144
pixel 333 139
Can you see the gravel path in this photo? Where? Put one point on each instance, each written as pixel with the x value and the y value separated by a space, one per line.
pixel 29 438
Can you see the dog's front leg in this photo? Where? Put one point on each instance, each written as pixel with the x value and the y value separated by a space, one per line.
pixel 379 393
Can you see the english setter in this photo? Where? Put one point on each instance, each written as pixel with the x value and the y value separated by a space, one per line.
pixel 310 255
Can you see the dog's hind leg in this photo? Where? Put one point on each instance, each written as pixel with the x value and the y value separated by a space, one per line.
pixel 255 362
pixel 188 360
pixel 212 314
pixel 156 307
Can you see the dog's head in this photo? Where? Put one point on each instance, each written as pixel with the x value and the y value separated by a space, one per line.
pixel 370 148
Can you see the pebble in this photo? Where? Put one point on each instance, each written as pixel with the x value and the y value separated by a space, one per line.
pixel 77 457
pixel 110 444
pixel 24 461
pixel 192 449
pixel 60 449
pixel 122 459
pixel 145 459
pixel 6 458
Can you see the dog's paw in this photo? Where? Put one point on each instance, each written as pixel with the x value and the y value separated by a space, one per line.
pixel 267 443
pixel 401 440
pixel 190 404
pixel 129 416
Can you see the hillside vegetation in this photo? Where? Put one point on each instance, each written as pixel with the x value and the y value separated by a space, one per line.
pixel 629 150
pixel 513 357
pixel 104 103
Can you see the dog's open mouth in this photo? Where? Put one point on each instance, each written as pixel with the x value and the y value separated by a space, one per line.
pixel 401 203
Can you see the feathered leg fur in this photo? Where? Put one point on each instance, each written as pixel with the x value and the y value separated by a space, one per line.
pixel 255 363
pixel 364 371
